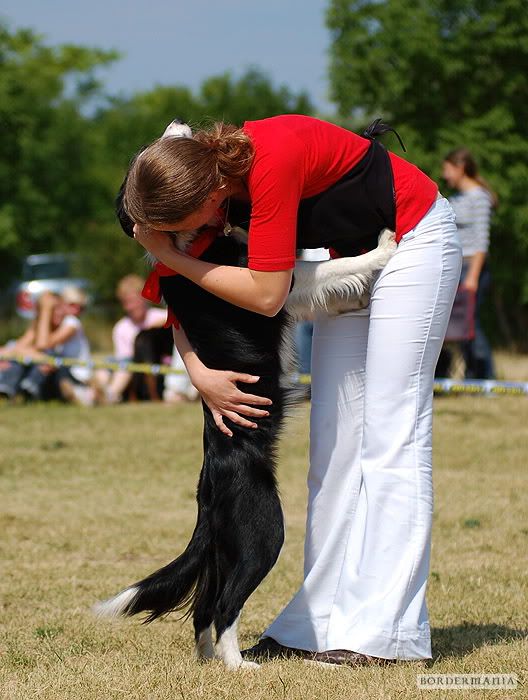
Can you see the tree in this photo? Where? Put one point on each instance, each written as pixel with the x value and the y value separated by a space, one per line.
pixel 447 73
pixel 45 147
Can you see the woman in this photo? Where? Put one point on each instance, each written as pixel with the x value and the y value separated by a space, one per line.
pixel 311 184
pixel 472 206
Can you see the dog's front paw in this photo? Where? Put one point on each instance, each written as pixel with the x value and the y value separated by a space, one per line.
pixel 344 306
pixel 386 246
pixel 387 239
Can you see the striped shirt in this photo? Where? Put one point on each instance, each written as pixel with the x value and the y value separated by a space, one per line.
pixel 473 211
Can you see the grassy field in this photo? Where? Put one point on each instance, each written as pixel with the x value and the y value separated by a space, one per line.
pixel 94 499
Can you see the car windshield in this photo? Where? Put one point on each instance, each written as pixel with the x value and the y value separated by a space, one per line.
pixel 52 269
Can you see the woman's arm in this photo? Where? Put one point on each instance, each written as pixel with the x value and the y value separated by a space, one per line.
pixel 480 201
pixel 219 389
pixel 45 337
pixel 21 345
pixel 476 264
pixel 262 292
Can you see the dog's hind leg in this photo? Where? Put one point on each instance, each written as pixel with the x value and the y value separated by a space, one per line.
pixel 262 550
pixel 227 648
pixel 204 643
pixel 242 581
pixel 204 608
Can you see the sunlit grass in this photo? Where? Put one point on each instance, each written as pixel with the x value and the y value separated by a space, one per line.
pixel 94 499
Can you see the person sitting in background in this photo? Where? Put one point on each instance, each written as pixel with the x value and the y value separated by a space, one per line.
pixel 73 382
pixel 13 371
pixel 473 205
pixel 18 347
pixel 178 387
pixel 55 331
pixel 140 337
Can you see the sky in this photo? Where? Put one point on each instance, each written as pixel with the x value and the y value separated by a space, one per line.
pixel 164 42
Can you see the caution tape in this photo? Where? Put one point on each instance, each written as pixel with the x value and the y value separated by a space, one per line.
pixel 471 387
pixel 114 365
pixel 480 387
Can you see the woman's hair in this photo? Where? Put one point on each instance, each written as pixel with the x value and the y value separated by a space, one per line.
pixel 463 156
pixel 173 177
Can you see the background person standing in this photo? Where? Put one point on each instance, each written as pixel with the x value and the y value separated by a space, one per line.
pixel 473 206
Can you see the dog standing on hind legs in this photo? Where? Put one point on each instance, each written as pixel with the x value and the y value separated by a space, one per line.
pixel 239 530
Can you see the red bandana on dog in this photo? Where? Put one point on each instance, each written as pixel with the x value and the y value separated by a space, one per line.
pixel 152 291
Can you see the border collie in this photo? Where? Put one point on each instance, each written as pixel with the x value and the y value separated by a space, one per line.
pixel 239 530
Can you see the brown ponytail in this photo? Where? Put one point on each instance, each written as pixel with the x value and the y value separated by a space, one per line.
pixel 232 146
pixel 173 176
pixel 463 157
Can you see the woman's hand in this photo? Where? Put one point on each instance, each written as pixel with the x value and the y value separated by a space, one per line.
pixel 471 284
pixel 47 300
pixel 152 240
pixel 225 400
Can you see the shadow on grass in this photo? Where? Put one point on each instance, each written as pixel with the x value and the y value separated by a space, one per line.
pixel 463 639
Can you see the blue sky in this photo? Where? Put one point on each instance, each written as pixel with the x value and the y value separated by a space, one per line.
pixel 173 42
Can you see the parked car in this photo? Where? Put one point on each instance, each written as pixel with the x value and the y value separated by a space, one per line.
pixel 45 272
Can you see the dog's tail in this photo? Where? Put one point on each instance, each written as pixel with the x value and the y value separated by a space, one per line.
pixel 174 587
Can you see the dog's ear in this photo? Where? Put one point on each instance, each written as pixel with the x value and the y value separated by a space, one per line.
pixel 179 128
pixel 125 221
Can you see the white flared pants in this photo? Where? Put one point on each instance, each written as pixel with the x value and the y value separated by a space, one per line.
pixel 370 500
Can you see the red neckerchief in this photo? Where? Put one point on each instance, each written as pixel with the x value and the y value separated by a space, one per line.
pixel 152 291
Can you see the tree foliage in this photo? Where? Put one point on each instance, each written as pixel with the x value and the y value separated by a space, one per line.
pixel 44 188
pixel 447 73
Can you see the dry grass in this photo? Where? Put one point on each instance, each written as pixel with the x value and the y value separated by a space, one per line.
pixel 93 500
pixel 511 366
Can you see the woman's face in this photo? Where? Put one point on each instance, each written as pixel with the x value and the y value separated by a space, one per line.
pixel 452 173
pixel 134 306
pixel 205 215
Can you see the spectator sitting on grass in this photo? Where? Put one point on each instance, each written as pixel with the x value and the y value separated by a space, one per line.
pixel 73 382
pixel 13 371
pixel 143 321
pixel 55 331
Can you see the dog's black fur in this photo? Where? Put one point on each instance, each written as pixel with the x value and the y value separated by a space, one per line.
pixel 239 531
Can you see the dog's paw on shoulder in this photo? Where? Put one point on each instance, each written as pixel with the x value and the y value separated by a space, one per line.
pixel 387 239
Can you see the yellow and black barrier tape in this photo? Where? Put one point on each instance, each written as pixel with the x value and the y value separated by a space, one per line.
pixel 480 387
pixel 472 387
pixel 114 365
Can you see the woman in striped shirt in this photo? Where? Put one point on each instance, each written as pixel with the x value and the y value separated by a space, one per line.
pixel 473 206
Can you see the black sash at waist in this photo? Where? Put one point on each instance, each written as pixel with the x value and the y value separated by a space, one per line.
pixel 350 214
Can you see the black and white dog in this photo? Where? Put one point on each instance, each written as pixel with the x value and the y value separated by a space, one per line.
pixel 239 530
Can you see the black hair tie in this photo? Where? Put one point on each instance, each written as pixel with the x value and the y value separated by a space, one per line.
pixel 378 127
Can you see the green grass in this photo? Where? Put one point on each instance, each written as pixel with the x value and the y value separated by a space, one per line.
pixel 94 499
